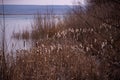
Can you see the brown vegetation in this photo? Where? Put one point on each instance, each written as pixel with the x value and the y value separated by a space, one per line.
pixel 45 26
pixel 52 60
pixel 21 35
pixel 86 47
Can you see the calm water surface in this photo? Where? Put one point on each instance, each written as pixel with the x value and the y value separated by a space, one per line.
pixel 16 20
pixel 17 23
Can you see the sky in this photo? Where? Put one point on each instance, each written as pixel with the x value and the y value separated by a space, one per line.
pixel 41 2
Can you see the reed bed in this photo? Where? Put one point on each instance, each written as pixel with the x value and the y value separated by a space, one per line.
pixel 54 61
pixel 83 46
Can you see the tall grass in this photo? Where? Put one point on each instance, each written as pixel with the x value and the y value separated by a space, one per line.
pixel 45 26
pixel 21 35
pixel 84 46
pixel 52 60
pixel 99 33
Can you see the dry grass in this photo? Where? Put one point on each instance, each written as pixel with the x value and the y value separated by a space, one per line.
pixel 84 48
pixel 53 61
pixel 21 35
pixel 45 26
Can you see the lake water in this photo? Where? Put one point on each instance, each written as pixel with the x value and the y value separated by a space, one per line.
pixel 16 23
pixel 20 17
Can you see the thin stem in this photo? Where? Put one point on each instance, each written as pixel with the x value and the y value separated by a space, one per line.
pixel 3 44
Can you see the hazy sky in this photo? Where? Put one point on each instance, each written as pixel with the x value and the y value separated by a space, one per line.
pixel 41 2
